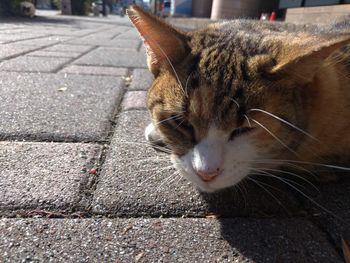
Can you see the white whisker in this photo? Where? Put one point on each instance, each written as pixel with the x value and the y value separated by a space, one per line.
pixel 274 136
pixel 285 122
pixel 303 194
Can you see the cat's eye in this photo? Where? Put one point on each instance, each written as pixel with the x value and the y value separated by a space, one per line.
pixel 240 131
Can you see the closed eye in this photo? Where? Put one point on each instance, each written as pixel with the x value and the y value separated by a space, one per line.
pixel 240 131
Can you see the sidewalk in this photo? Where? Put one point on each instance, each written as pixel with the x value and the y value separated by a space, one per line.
pixel 78 183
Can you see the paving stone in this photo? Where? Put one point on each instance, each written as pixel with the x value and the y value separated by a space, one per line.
pixel 163 240
pixel 134 100
pixel 33 64
pixel 16 37
pixel 335 198
pixel 117 43
pixel 44 175
pixel 136 180
pixel 141 79
pixel 56 54
pixel 69 48
pixel 10 50
pixel 45 41
pixel 91 70
pixel 130 34
pixel 114 57
pixel 57 107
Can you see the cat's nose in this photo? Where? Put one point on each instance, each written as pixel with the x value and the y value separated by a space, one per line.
pixel 208 175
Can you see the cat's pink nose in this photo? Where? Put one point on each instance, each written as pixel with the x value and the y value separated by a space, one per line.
pixel 208 175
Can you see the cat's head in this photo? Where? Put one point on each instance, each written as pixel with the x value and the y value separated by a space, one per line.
pixel 230 96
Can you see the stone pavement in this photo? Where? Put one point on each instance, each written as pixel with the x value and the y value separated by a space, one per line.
pixel 78 183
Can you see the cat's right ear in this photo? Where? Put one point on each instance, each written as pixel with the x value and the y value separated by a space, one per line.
pixel 164 44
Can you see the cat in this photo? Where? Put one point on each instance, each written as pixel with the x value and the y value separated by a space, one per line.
pixel 27 9
pixel 241 98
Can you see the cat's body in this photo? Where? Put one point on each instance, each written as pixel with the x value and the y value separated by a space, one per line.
pixel 243 97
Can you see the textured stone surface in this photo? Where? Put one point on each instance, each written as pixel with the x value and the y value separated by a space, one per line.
pixel 91 70
pixel 107 42
pixel 44 175
pixel 44 41
pixel 33 64
pixel 134 100
pixel 117 57
pixel 141 79
pixel 57 107
pixel 9 50
pixel 58 54
pixel 69 48
pixel 136 180
pixel 163 240
pixel 4 38
pixel 332 211
pixel 130 34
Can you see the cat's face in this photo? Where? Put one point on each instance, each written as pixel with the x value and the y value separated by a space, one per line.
pixel 212 128
pixel 230 98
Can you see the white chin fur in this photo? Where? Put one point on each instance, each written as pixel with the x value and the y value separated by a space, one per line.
pixel 238 155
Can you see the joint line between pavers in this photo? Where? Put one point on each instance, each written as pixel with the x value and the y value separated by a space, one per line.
pixel 69 62
pixel 105 149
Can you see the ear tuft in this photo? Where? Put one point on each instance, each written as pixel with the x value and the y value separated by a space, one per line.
pixel 164 44
pixel 303 61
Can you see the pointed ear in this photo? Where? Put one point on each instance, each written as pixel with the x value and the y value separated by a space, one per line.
pixel 164 44
pixel 303 61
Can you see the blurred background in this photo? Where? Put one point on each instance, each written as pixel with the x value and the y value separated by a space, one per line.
pixel 309 11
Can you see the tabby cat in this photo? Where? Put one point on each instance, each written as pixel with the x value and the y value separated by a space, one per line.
pixel 245 97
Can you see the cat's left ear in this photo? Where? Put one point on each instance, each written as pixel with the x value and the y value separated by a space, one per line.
pixel 303 61
pixel 164 44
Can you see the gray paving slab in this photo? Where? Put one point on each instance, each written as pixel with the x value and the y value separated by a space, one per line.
pixel 69 48
pixel 54 54
pixel 117 57
pixel 332 214
pixel 44 41
pixel 91 70
pixel 44 175
pixel 34 64
pixel 130 34
pixel 10 50
pixel 16 37
pixel 117 42
pixel 134 100
pixel 57 106
pixel 137 180
pixel 163 240
pixel 141 79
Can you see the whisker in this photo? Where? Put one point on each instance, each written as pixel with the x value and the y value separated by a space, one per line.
pixel 285 122
pixel 292 174
pixel 274 136
pixel 156 169
pixel 167 180
pixel 318 164
pixel 161 148
pixel 277 161
pixel 246 117
pixel 286 179
pixel 260 184
pixel 236 102
pixel 175 117
pixel 303 194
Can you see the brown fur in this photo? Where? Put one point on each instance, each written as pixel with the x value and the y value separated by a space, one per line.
pixel 299 73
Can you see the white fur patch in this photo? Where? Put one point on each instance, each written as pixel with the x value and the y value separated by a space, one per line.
pixel 233 157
